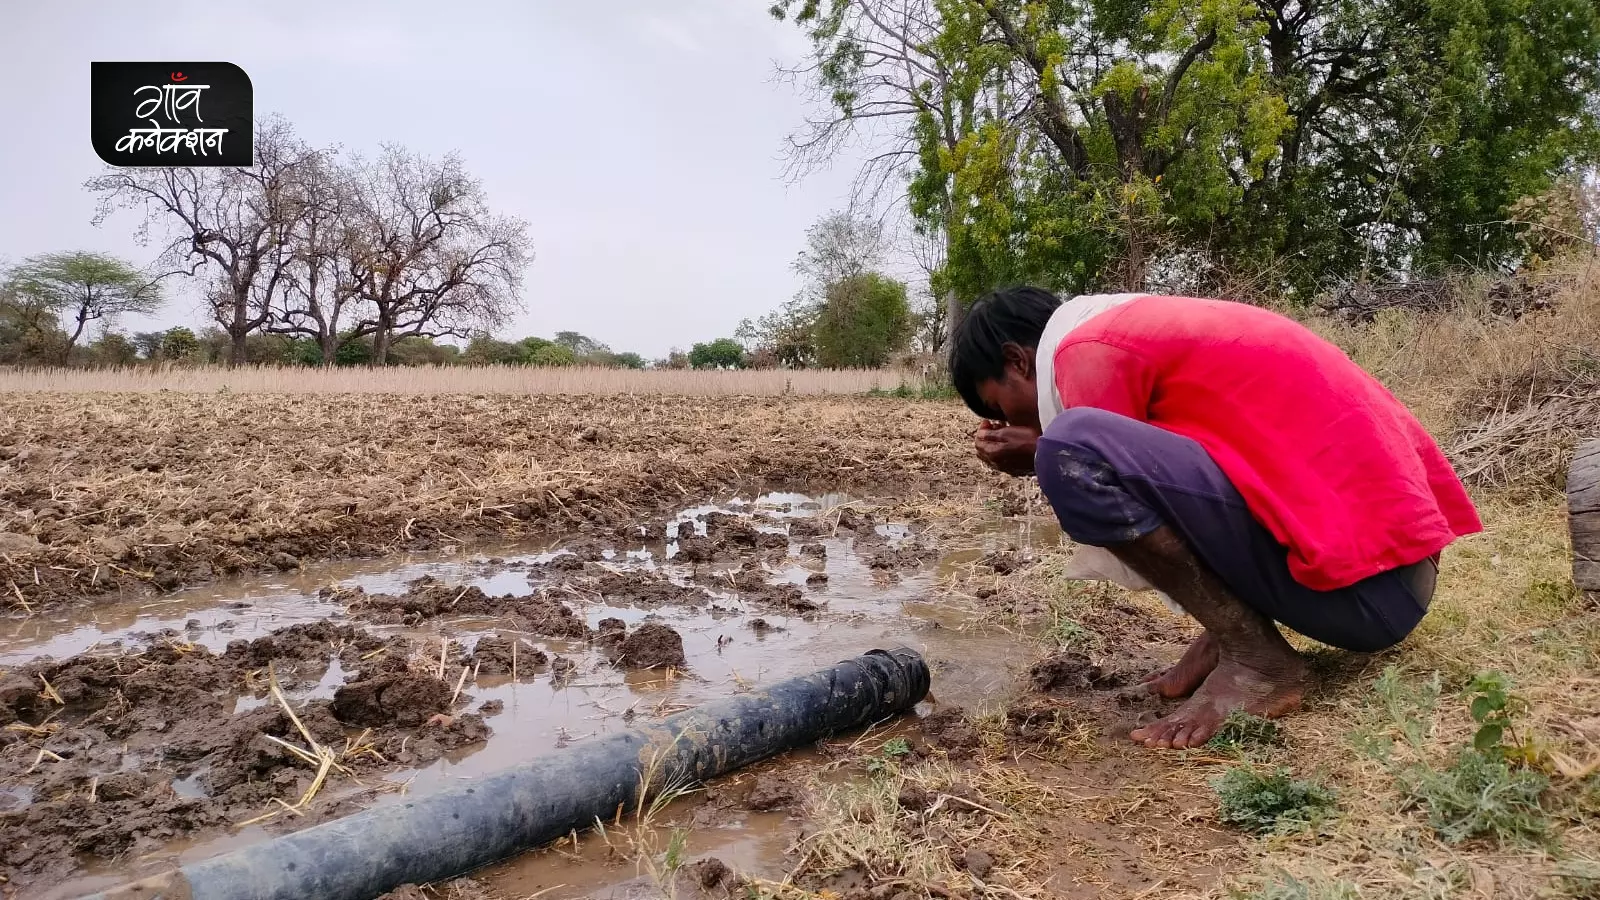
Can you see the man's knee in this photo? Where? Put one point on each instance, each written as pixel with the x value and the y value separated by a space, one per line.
pixel 1077 449
pixel 1083 486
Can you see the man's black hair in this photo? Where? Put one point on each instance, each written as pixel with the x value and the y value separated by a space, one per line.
pixel 1014 315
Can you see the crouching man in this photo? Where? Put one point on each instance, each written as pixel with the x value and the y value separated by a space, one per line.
pixel 1234 460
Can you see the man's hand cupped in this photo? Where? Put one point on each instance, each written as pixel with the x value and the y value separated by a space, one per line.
pixel 1007 448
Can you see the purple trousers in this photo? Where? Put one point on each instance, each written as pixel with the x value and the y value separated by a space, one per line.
pixel 1112 479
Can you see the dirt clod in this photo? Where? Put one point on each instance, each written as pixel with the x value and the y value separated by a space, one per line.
pixel 695 549
pixel 897 558
pixel 651 646
pixel 399 698
pixel 499 654
pixel 428 598
pixel 977 863
pixel 645 589
pixel 770 792
pixel 948 730
pixel 914 798
pixel 1066 672
pixel 1002 562
pixel 709 878
pixel 1037 718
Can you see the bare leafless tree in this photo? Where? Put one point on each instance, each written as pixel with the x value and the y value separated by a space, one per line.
pixel 233 223
pixel 325 275
pixel 840 246
pixel 429 257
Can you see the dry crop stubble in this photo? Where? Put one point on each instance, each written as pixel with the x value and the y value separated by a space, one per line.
pixel 517 380
pixel 115 492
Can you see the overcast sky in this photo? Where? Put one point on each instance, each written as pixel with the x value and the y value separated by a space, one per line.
pixel 640 139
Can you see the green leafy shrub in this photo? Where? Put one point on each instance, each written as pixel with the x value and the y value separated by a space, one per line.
pixel 1243 731
pixel 1481 795
pixel 1287 887
pixel 1275 802
pixel 892 750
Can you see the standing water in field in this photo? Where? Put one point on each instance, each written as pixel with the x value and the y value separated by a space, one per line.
pixel 169 717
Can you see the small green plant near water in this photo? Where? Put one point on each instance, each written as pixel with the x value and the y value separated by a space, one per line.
pixel 1069 634
pixel 1269 803
pixel 1241 731
pixel 1494 708
pixel 672 860
pixel 891 751
pixel 1284 886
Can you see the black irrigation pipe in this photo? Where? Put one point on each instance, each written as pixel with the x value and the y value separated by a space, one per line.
pixel 451 832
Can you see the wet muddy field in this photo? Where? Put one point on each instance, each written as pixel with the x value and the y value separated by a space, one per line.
pixel 163 729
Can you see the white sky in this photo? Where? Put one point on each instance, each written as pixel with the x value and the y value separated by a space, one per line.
pixel 640 139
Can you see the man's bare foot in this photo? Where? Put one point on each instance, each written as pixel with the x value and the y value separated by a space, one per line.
pixel 1231 686
pixel 1189 672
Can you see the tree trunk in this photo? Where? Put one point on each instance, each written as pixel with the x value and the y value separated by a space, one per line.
pixel 380 345
pixel 1583 512
pixel 330 349
pixel 239 329
pixel 954 312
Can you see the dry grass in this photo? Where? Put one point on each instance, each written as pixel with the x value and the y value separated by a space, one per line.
pixel 864 826
pixel 1508 400
pixel 458 380
pixel 1504 604
pixel 1080 812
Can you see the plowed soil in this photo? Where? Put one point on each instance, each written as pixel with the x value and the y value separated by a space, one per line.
pixel 110 494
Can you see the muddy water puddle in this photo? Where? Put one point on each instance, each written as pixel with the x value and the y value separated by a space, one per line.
pixel 535 646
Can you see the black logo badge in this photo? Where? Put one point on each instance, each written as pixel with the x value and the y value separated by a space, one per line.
pixel 171 114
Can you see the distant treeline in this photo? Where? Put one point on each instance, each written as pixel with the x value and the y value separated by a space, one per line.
pixel 212 346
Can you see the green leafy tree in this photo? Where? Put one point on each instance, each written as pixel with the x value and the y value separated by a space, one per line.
pixel 787 334
pixel 1172 143
pixel 720 353
pixel 303 351
pixel 484 350
pixel 864 321
pixel 628 361
pixel 148 344
pixel 354 351
pixel 553 355
pixel 423 351
pixel 29 333
pixel 580 345
pixel 81 288
pixel 180 345
pixel 113 349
